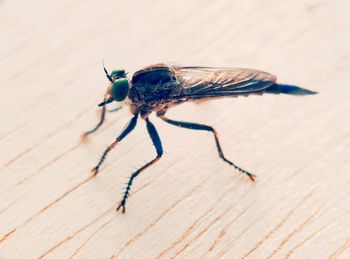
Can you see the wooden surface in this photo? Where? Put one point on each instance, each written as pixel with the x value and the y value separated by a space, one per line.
pixel 191 204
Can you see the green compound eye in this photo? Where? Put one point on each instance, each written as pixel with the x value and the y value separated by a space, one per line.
pixel 120 89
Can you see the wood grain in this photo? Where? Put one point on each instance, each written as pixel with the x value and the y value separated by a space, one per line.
pixel 190 204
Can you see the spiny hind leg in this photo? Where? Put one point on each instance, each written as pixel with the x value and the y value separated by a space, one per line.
pixel 196 126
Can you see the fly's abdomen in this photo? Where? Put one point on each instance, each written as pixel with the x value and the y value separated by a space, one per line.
pixel 288 89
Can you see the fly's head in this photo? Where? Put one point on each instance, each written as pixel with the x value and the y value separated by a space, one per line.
pixel 118 88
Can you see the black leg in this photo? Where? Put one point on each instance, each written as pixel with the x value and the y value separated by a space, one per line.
pixel 115 109
pixel 99 124
pixel 158 145
pixel 102 117
pixel 195 126
pixel 128 128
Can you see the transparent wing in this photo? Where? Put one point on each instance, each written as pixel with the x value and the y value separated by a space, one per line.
pixel 203 82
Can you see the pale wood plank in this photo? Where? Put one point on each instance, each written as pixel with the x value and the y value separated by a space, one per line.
pixel 190 205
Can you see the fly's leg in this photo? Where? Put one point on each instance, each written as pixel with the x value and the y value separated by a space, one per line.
pixel 99 124
pixel 195 126
pixel 158 145
pixel 128 128
pixel 102 119
pixel 115 109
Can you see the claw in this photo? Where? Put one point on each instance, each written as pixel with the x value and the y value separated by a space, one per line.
pixel 252 176
pixel 95 171
pixel 121 205
pixel 84 137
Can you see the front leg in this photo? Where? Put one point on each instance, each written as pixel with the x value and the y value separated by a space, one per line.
pixel 99 124
pixel 102 117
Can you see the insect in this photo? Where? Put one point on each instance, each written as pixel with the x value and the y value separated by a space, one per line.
pixel 158 87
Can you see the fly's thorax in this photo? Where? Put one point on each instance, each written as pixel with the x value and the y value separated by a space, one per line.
pixel 155 82
pixel 153 88
pixel 134 95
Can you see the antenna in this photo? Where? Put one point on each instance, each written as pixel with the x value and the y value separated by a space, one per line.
pixel 106 72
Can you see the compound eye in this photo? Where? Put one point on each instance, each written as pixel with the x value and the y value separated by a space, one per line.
pixel 120 89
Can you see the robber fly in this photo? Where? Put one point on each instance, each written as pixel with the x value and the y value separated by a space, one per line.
pixel 156 88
